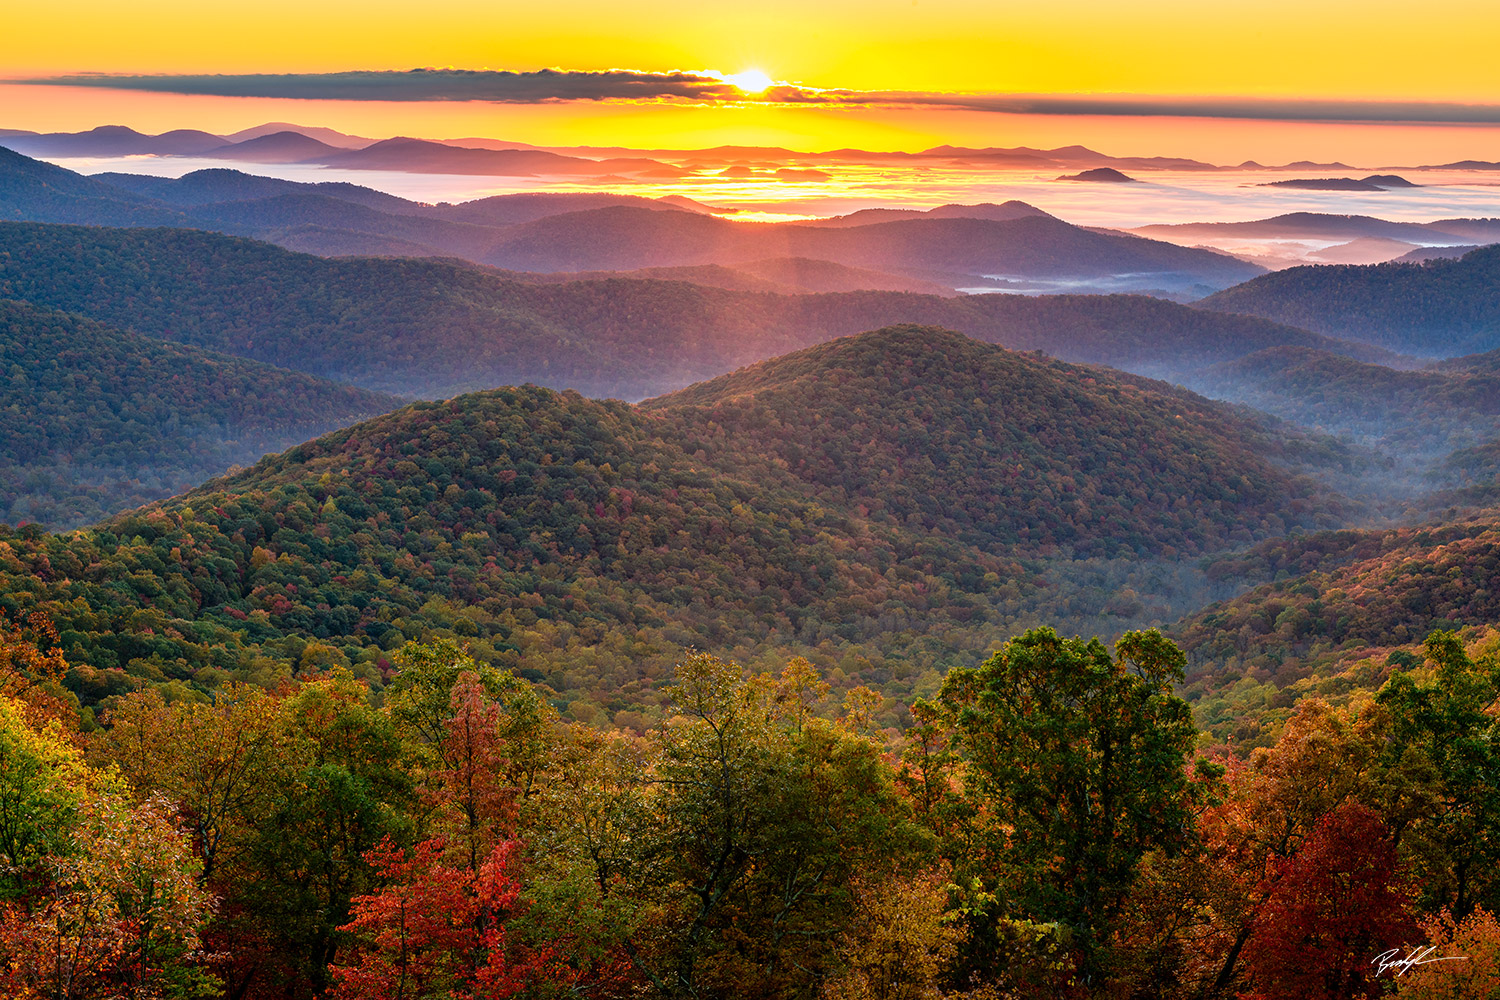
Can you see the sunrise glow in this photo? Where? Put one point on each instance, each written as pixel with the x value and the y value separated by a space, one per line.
pixel 751 81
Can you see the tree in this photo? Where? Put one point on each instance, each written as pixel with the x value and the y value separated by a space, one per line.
pixel 752 838
pixel 1076 768
pixel 1445 749
pixel 1324 758
pixel 1333 906
pixel 1465 959
pixel 101 898
pixel 342 792
pixel 437 929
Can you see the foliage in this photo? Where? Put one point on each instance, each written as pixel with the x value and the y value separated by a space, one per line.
pixel 1437 307
pixel 1076 769
pixel 1334 905
pixel 589 540
pixel 99 898
pixel 99 420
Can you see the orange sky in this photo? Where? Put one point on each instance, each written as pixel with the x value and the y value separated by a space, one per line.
pixel 1362 49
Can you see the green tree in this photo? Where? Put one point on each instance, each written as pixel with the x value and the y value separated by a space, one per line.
pixel 758 825
pixel 1444 751
pixel 1076 768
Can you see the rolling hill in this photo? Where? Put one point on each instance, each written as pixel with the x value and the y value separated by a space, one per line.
pixel 40 192
pixel 1439 308
pixel 1413 414
pixel 98 420
pixel 589 542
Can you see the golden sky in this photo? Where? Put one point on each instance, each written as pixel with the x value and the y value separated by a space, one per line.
pixel 1440 51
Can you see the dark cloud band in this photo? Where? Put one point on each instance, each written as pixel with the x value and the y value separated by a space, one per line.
pixel 552 85
pixel 495 86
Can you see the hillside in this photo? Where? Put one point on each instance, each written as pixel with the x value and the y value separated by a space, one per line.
pixel 1414 414
pixel 590 542
pixel 998 449
pixel 99 420
pixel 431 328
pixel 39 192
pixel 1342 604
pixel 1439 308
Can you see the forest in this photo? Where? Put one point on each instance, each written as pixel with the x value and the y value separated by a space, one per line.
pixel 99 420
pixel 1050 824
pixel 588 542
pixel 1437 308
pixel 771 682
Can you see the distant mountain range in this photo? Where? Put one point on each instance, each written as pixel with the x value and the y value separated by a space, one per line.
pixel 282 142
pixel 954 245
pixel 1315 225
pixel 434 328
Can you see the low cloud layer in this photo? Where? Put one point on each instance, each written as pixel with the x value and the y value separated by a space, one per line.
pixel 552 85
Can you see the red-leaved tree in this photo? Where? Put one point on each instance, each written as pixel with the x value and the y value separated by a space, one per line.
pixel 438 929
pixel 1330 910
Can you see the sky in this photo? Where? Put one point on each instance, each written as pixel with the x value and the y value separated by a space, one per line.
pixel 1226 81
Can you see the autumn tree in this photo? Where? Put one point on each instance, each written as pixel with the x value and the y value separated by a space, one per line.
pixel 1331 909
pixel 1274 801
pixel 1463 962
pixel 436 929
pixel 439 923
pixel 753 837
pixel 101 898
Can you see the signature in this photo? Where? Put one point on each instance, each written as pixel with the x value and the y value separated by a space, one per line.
pixel 1393 959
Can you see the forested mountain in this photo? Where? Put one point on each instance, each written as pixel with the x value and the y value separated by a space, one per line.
pixel 36 191
pixel 430 328
pixel 1438 308
pixel 1412 414
pixel 1343 612
pixel 97 420
pixel 920 426
pixel 589 542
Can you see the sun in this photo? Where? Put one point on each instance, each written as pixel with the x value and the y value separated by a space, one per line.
pixel 751 81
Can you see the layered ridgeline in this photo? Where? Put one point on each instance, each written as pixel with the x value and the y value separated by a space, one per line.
pixel 1411 414
pixel 610 232
pixel 588 543
pixel 1438 308
pixel 433 328
pixel 33 190
pixel 97 420
pixel 1346 608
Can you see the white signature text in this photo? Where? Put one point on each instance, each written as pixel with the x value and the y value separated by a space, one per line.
pixel 1393 959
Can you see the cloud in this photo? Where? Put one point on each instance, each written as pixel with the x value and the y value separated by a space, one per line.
pixel 494 86
pixel 1146 106
pixel 709 87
